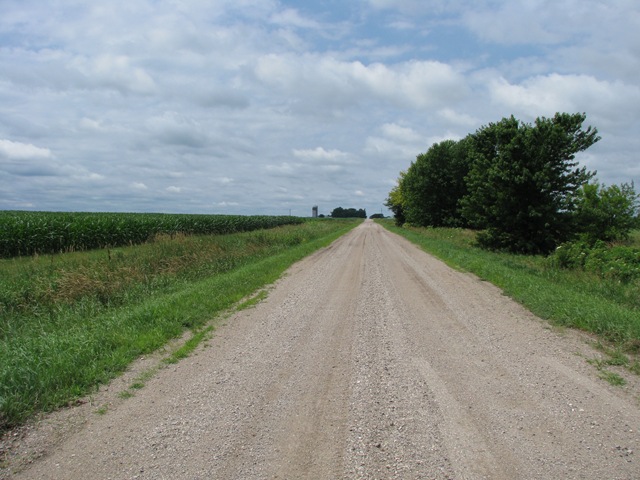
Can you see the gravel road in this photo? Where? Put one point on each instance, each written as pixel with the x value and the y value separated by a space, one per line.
pixel 368 360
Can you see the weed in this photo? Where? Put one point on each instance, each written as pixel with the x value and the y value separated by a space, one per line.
pixel 189 346
pixel 613 378
pixel 615 356
pixel 253 301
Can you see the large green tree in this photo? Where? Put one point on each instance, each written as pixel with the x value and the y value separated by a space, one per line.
pixel 523 179
pixel 434 185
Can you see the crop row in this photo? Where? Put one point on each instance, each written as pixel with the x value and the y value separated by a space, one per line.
pixel 27 233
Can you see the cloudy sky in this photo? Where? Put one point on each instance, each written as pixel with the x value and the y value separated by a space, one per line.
pixel 273 106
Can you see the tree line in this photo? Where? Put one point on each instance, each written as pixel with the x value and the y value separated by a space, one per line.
pixel 519 184
pixel 340 212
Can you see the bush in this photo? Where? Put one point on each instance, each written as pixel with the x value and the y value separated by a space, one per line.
pixel 615 263
pixel 618 263
pixel 606 213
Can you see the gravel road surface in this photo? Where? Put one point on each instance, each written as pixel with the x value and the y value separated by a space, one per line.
pixel 368 360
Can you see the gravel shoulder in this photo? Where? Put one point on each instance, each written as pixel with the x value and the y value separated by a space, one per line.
pixel 372 360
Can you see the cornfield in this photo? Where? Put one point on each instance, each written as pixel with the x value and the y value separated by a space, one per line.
pixel 27 233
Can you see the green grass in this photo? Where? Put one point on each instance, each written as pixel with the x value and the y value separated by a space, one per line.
pixel 71 322
pixel 190 345
pixel 573 299
pixel 253 301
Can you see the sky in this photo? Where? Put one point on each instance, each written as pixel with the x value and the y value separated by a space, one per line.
pixel 274 106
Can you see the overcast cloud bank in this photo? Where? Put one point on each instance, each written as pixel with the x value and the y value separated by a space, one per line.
pixel 265 106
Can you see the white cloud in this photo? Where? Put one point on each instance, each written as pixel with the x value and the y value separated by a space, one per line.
pixel 90 124
pixel 517 22
pixel 176 129
pixel 402 25
pixel 284 168
pixel 395 141
pixel 326 81
pixel 330 168
pixel 400 133
pixel 544 95
pixel 174 189
pixel 22 151
pixel 408 6
pixel 89 177
pixel 550 22
pixel 292 18
pixel 115 71
pixel 321 154
pixel 433 139
pixel 458 119
pixel 139 186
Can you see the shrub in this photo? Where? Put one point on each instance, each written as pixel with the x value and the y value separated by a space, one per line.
pixel 618 263
pixel 570 255
pixel 605 213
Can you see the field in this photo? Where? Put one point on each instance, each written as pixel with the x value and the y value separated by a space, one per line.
pixel 69 322
pixel 28 233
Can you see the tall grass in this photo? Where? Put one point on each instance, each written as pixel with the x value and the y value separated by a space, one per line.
pixel 577 299
pixel 71 322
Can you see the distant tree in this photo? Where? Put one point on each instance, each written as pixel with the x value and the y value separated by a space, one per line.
pixel 337 212
pixel 376 215
pixel 523 179
pixel 606 213
pixel 435 183
pixel 395 201
pixel 340 212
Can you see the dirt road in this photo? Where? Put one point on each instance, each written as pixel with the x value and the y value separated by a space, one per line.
pixel 369 360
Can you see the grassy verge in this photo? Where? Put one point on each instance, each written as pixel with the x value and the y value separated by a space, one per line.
pixel 568 298
pixel 71 322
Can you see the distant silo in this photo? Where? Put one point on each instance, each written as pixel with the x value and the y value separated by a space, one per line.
pixel 314 211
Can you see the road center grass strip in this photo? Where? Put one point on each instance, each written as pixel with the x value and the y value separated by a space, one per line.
pixel 565 298
pixel 57 360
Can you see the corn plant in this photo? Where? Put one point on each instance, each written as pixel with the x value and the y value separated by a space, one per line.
pixel 28 233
